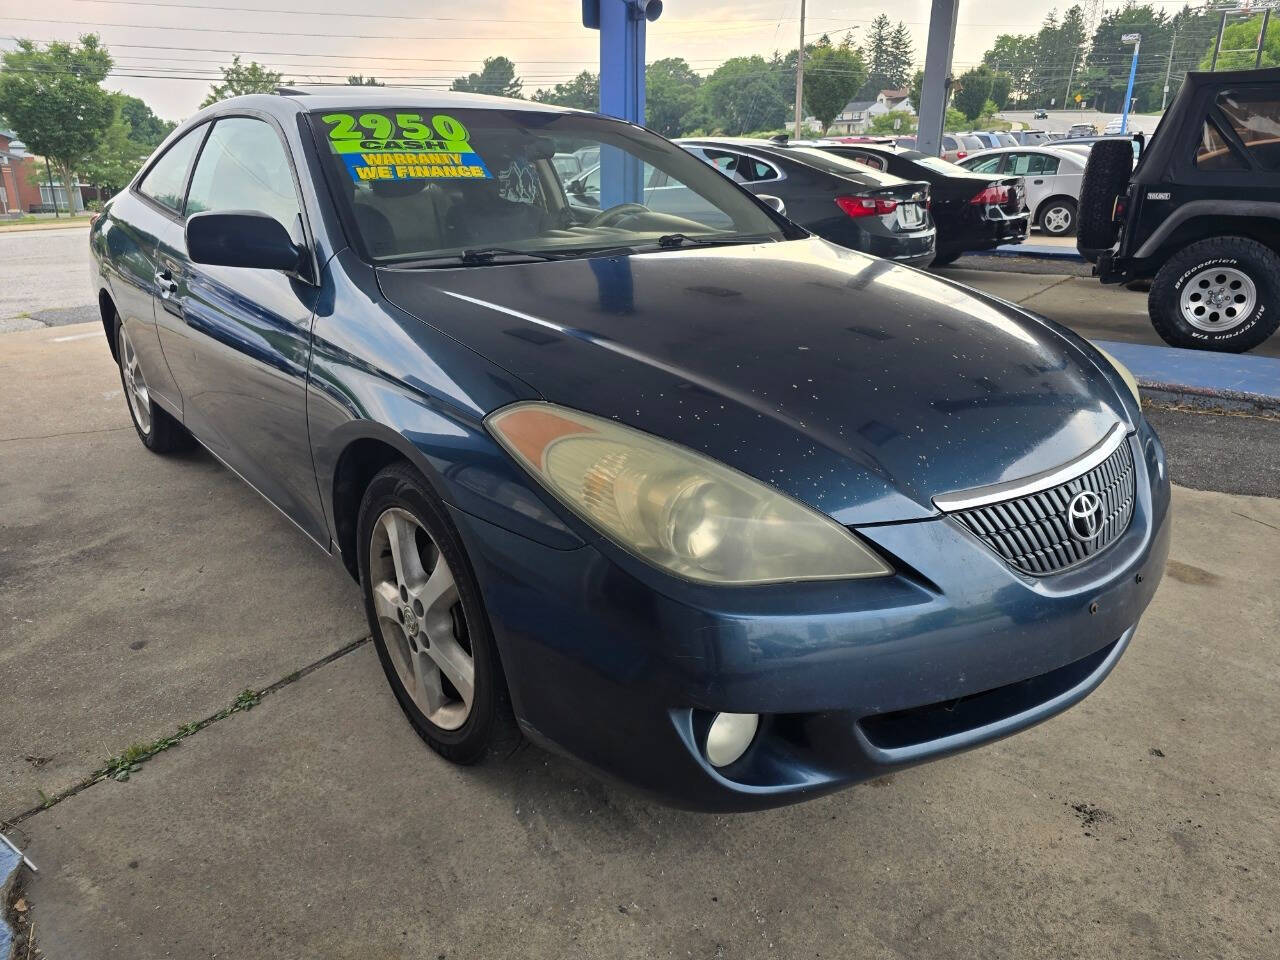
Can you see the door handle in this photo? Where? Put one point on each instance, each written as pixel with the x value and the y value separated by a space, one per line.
pixel 166 283
pixel 1037 181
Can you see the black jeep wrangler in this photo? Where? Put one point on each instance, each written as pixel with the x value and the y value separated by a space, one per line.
pixel 1200 213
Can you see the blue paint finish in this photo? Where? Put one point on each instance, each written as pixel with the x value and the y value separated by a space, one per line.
pixel 859 387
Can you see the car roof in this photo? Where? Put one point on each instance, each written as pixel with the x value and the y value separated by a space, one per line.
pixel 309 97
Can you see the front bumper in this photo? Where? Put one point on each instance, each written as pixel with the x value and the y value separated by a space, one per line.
pixel 623 667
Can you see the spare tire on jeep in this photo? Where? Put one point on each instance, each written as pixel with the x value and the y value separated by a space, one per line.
pixel 1106 177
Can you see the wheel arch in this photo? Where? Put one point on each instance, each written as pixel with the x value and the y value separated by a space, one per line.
pixel 1264 230
pixel 1048 201
pixel 363 458
pixel 107 310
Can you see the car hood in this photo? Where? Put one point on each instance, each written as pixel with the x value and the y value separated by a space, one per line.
pixel 858 386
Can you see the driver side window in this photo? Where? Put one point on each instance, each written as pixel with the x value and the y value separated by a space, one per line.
pixel 989 165
pixel 243 166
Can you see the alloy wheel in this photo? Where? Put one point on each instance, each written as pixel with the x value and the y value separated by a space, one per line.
pixel 420 615
pixel 135 384
pixel 1218 299
pixel 1057 220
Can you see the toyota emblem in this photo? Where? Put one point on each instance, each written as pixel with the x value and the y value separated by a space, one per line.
pixel 1084 515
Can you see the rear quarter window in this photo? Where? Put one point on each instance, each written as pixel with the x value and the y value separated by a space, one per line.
pixel 1255 119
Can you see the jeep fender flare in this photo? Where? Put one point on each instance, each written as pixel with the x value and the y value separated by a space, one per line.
pixel 1205 208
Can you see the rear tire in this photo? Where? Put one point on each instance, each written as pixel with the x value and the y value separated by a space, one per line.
pixel 946 256
pixel 1058 217
pixel 158 431
pixel 428 621
pixel 1106 177
pixel 1219 294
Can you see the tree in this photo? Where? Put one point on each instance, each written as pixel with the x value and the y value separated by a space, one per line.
pixel 497 77
pixel 145 128
pixel 742 94
pixel 1243 36
pixel 878 54
pixel 883 123
pixel 581 93
pixel 117 157
pixel 55 101
pixel 832 76
pixel 913 93
pixel 974 91
pixel 239 79
pixel 1110 57
pixel 671 96
pixel 360 80
pixel 902 58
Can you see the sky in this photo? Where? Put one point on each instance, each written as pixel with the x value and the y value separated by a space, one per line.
pixel 168 51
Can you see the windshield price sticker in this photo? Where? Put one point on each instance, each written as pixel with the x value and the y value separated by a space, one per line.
pixel 374 147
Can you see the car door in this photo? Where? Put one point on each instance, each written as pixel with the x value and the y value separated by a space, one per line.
pixel 1032 166
pixel 239 339
pixel 137 218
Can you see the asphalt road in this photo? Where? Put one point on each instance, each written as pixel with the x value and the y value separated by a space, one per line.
pixel 1060 120
pixel 141 593
pixel 44 278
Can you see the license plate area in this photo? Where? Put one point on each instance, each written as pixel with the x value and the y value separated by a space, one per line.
pixel 910 216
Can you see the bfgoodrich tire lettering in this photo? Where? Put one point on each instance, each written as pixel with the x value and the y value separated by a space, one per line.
pixel 428 621
pixel 1238 276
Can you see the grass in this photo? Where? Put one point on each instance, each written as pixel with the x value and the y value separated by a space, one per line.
pixel 132 758
pixel 29 218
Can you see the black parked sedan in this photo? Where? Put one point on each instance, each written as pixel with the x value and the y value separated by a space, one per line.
pixel 972 211
pixel 839 200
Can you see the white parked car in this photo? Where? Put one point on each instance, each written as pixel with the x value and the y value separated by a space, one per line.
pixel 1051 177
pixel 1113 126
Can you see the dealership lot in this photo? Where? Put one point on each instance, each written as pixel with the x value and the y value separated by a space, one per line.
pixel 145 593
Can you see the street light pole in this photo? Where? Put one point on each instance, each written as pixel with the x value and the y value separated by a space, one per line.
pixel 800 77
pixel 1136 40
pixel 1070 77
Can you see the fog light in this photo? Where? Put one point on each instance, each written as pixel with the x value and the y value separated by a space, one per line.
pixel 729 737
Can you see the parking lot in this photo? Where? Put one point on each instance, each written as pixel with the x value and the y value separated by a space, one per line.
pixel 305 819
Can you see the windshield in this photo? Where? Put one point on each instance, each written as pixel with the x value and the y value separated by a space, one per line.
pixel 425 185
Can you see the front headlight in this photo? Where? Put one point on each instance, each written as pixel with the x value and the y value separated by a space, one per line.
pixel 676 508
pixel 1129 379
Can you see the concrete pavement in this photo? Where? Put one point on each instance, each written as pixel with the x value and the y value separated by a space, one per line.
pixel 1143 823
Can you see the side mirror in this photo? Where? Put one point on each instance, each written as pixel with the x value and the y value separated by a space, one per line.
pixel 241 238
pixel 773 203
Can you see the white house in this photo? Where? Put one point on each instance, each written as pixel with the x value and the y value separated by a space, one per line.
pixel 857 114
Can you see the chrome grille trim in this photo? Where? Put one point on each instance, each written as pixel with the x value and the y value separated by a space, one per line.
pixel 1030 532
pixel 1009 490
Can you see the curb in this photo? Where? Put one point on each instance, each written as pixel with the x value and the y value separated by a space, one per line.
pixel 1198 378
pixel 1040 250
pixel 9 864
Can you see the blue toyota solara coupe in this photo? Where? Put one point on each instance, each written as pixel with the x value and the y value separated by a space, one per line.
pixel 732 513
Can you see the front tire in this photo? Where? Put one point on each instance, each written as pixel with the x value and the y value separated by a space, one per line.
pixel 158 431
pixel 428 621
pixel 1058 217
pixel 1220 294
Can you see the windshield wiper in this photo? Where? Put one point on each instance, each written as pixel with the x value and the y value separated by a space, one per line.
pixel 670 240
pixel 481 255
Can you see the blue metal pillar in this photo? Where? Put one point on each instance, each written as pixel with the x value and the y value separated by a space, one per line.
pixel 1136 40
pixel 622 28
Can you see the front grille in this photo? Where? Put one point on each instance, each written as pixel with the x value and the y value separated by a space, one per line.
pixel 1034 532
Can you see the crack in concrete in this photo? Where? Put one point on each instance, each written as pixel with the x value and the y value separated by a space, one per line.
pixel 185 732
pixel 69 433
pixel 1051 286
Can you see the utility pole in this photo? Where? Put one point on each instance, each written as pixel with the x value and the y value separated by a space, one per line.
pixel 1168 69
pixel 800 77
pixel 1066 97
pixel 1262 37
pixel 1217 47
